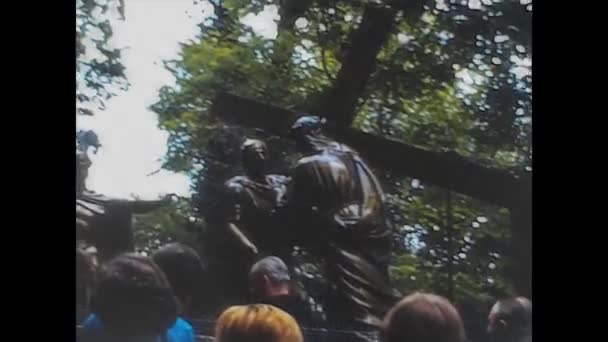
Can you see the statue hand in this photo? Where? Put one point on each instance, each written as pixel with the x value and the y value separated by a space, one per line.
pixel 252 249
pixel 167 198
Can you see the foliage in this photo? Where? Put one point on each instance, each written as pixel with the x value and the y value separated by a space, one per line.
pixel 173 222
pixel 456 77
pixel 98 66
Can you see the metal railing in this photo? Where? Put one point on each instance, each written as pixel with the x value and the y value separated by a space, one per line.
pixel 205 330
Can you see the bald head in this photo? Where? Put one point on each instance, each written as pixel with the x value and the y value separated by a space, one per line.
pixel 422 317
pixel 510 318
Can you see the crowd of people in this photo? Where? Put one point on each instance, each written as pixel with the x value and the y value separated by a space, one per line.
pixel 133 297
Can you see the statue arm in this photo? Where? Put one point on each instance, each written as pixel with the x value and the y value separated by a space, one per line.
pixel 242 238
pixel 233 216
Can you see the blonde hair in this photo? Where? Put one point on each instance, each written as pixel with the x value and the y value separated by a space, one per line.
pixel 257 323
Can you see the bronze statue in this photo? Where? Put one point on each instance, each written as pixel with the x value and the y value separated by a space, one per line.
pixel 248 219
pixel 253 200
pixel 103 221
pixel 336 208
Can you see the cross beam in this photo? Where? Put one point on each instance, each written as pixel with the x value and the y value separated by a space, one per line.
pixel 444 169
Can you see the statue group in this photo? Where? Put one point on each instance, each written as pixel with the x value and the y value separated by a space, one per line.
pixel 331 205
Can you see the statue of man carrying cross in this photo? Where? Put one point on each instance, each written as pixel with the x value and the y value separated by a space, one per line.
pixel 336 208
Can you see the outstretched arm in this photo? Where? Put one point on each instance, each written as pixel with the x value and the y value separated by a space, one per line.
pixel 242 238
pixel 234 191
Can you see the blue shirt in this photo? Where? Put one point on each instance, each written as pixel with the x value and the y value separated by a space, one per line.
pixel 93 331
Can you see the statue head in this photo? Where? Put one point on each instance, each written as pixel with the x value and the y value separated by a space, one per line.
pixel 254 155
pixel 307 132
pixel 86 139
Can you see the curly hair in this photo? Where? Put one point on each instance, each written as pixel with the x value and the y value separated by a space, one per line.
pixel 423 317
pixel 133 297
pixel 257 323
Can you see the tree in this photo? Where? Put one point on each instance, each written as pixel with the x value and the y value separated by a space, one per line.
pixel 448 75
pixel 99 71
pixel 173 222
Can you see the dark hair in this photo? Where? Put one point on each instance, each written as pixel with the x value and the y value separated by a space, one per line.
pixel 133 297
pixel 182 266
pixel 422 317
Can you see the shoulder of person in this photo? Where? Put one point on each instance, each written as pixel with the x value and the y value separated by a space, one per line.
pixel 181 331
pixel 92 322
pixel 92 330
pixel 182 324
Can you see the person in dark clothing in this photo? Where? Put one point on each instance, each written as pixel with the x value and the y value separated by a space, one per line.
pixel 185 271
pixel 270 283
pixel 133 301
pixel 423 317
pixel 510 320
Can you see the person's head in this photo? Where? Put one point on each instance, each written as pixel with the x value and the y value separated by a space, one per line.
pixel 269 278
pixel 510 318
pixel 85 280
pixel 133 297
pixel 254 155
pixel 257 323
pixel 184 269
pixel 422 317
pixel 307 132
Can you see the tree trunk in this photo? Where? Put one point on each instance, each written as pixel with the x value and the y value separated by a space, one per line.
pixel 339 103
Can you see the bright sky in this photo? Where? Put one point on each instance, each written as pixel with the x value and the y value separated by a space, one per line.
pixel 133 145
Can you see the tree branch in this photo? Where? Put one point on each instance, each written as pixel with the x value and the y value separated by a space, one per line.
pixel 339 102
